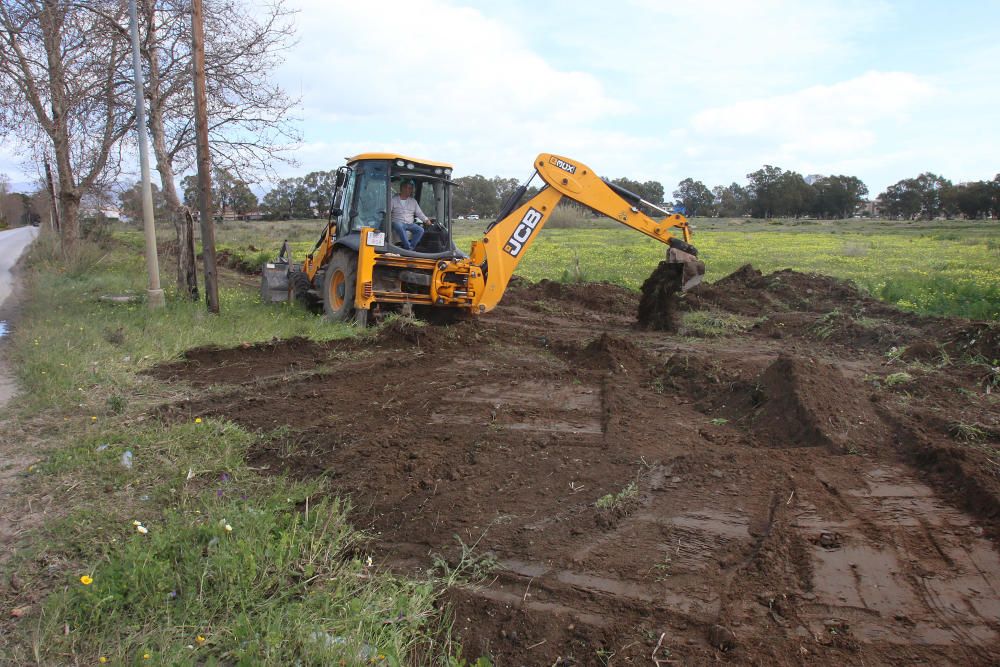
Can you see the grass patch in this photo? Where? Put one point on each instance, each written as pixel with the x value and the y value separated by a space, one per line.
pixel 239 581
pixel 714 324
pixel 896 379
pixel 620 500
pixel 74 349
pixel 190 556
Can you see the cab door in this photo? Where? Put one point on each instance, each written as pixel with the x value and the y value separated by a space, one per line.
pixel 367 198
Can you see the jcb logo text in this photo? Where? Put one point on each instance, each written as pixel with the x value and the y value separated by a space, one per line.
pixel 523 232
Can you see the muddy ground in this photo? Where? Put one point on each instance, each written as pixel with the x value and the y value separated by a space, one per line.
pixel 777 496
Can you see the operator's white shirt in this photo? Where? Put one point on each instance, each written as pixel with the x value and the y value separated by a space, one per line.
pixel 404 210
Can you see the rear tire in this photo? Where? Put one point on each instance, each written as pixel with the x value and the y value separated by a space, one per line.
pixel 301 291
pixel 339 282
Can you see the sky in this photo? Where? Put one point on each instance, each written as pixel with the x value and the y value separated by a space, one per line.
pixel 646 89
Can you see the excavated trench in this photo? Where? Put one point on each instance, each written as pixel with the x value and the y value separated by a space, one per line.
pixel 768 497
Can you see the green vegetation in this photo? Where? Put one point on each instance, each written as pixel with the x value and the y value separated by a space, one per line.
pixel 158 541
pixel 72 346
pixel 613 501
pixel 949 268
pixel 713 324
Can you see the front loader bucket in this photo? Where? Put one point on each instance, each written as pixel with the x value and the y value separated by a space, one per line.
pixel 274 282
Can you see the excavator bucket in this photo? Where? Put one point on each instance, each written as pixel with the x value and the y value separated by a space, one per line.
pixel 274 278
pixel 693 268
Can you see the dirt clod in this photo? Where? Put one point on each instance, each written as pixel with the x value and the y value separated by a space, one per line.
pixel 721 638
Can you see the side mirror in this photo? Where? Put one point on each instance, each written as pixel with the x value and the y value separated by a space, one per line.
pixel 341 178
pixel 336 212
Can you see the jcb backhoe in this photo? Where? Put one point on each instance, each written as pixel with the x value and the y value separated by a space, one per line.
pixel 357 265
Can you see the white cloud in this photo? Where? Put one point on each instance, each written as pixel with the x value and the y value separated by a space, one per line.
pixel 852 104
pixel 819 128
pixel 430 64
pixel 685 52
pixel 710 89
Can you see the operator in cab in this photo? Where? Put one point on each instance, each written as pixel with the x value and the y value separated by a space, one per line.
pixel 404 210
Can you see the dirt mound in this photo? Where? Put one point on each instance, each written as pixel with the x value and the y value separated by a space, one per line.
pixel 836 328
pixel 629 491
pixel 805 403
pixel 405 332
pixel 978 339
pixel 921 350
pixel 747 291
pixel 602 298
pixel 214 365
pixel 660 301
pixel 610 353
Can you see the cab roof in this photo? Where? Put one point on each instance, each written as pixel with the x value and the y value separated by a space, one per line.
pixel 397 156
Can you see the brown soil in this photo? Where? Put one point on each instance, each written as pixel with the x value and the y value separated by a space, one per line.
pixel 660 298
pixel 789 507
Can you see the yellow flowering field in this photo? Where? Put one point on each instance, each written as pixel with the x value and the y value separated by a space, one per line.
pixel 939 267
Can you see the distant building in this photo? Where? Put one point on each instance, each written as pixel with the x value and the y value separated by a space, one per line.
pixel 868 209
pixel 812 178
pixel 106 212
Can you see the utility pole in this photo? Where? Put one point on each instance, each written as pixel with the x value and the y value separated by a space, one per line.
pixel 204 159
pixel 154 295
pixel 53 202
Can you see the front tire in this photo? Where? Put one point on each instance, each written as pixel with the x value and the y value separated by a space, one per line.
pixel 339 282
pixel 301 291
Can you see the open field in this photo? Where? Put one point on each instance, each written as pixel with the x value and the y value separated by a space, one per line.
pixel 802 474
pixel 939 267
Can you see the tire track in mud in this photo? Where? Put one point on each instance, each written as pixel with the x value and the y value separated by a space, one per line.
pixel 773 518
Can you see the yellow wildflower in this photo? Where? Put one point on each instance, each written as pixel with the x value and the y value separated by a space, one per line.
pixel 199 640
pixel 93 419
pixel 197 420
pixel 146 656
pixel 102 660
pixel 86 580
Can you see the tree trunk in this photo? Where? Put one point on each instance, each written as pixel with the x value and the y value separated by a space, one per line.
pixel 187 273
pixel 69 196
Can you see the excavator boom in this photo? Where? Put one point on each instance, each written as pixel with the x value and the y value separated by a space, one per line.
pixel 507 240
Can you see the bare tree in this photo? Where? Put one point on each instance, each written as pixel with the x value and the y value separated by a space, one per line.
pixel 61 65
pixel 249 115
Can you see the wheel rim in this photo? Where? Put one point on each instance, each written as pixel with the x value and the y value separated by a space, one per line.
pixel 338 290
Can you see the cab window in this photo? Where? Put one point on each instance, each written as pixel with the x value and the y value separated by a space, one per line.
pixel 371 189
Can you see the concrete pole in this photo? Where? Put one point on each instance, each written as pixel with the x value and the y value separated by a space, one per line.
pixel 154 295
pixel 204 158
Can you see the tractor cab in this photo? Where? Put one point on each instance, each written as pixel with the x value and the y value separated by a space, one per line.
pixel 365 187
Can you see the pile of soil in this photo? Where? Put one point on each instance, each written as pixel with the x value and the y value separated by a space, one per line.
pixel 660 301
pixel 599 297
pixel 747 499
pixel 807 403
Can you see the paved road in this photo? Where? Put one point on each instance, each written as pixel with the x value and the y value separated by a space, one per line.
pixel 13 242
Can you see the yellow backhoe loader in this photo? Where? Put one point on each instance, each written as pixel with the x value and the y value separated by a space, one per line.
pixel 358 265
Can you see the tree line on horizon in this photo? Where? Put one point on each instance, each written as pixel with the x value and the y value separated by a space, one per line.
pixel 769 192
